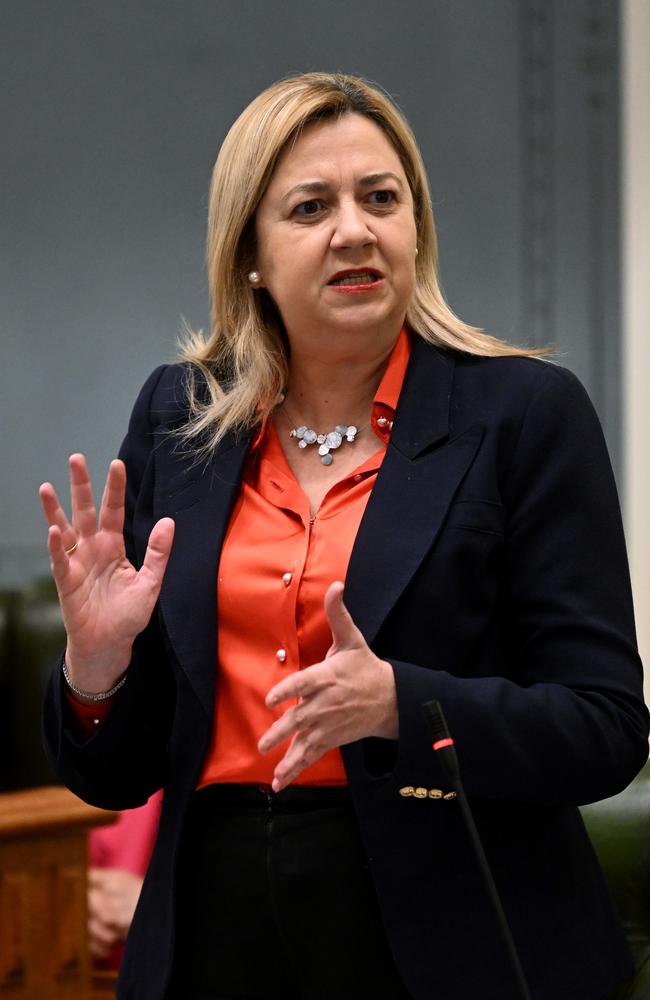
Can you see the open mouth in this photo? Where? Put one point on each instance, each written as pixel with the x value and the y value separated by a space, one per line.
pixel 355 278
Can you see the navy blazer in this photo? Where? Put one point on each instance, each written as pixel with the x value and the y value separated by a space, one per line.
pixel 490 570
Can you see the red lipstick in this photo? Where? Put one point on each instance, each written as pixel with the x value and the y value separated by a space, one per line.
pixel 356 279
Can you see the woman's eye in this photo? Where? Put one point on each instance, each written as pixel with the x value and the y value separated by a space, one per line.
pixel 311 207
pixel 382 197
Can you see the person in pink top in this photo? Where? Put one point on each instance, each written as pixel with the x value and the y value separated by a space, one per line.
pixel 118 860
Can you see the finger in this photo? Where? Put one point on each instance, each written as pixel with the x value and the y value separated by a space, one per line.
pixel 111 509
pixel 302 753
pixel 55 514
pixel 158 550
pixel 101 929
pixel 301 684
pixel 291 721
pixel 59 560
pixel 96 878
pixel 101 937
pixel 345 634
pixel 84 517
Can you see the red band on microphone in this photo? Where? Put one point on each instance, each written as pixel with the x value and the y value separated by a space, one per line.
pixel 439 744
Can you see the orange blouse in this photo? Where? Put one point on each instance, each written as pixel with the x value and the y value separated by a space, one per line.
pixel 276 564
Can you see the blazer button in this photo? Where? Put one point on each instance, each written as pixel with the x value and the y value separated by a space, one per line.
pixel 407 791
pixel 420 793
pixel 435 793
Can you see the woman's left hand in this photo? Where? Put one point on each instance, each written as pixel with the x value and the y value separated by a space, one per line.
pixel 348 696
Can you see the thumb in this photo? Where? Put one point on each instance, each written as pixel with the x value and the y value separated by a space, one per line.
pixel 159 547
pixel 345 634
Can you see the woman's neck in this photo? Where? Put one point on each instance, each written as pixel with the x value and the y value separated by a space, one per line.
pixel 322 393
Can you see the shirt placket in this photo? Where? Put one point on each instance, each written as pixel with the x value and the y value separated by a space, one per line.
pixel 286 495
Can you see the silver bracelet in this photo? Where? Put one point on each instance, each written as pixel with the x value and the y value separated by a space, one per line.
pixel 93 695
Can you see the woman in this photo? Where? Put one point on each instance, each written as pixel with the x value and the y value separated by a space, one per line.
pixel 341 423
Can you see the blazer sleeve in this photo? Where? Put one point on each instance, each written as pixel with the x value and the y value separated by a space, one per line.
pixel 563 719
pixel 124 762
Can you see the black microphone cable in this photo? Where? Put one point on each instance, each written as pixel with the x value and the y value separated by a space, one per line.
pixel 443 745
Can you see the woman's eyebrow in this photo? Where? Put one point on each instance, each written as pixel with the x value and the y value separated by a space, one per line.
pixel 308 187
pixel 371 179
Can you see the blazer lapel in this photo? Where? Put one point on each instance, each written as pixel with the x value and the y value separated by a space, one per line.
pixel 416 484
pixel 200 498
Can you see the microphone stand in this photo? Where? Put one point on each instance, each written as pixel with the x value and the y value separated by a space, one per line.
pixel 443 744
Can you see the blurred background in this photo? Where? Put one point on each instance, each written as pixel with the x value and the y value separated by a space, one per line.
pixel 532 118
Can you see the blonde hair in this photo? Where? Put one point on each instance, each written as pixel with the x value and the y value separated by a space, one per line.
pixel 244 360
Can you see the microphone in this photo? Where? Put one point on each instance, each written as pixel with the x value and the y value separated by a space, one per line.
pixel 443 746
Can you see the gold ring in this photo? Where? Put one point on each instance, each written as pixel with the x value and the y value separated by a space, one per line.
pixel 69 552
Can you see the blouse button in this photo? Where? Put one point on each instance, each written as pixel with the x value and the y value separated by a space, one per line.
pixel 358 477
pixel 382 421
pixel 281 655
pixel 287 578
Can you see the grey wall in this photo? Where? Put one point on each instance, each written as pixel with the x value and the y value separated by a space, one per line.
pixel 112 113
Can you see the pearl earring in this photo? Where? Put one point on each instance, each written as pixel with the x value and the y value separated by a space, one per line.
pixel 254 277
pixel 416 251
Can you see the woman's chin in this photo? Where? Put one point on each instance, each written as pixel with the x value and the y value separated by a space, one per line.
pixel 357 313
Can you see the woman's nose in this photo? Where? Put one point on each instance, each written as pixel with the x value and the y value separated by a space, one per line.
pixel 351 227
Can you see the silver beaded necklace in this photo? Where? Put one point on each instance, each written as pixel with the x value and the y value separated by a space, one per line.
pixel 327 442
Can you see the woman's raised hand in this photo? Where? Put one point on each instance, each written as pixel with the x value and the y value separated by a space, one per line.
pixel 105 601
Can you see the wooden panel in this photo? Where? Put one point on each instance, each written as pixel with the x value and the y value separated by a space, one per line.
pixel 44 809
pixel 13 930
pixel 43 865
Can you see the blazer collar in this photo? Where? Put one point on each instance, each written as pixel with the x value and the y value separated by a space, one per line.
pixel 422 416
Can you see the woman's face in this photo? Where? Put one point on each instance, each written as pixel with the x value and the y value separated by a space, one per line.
pixel 336 237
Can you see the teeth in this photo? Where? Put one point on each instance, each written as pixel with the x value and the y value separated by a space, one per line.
pixel 356 279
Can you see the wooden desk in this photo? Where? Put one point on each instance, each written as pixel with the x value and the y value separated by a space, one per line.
pixel 43 864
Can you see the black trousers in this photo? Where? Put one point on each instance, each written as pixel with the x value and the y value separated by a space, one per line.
pixel 276 901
